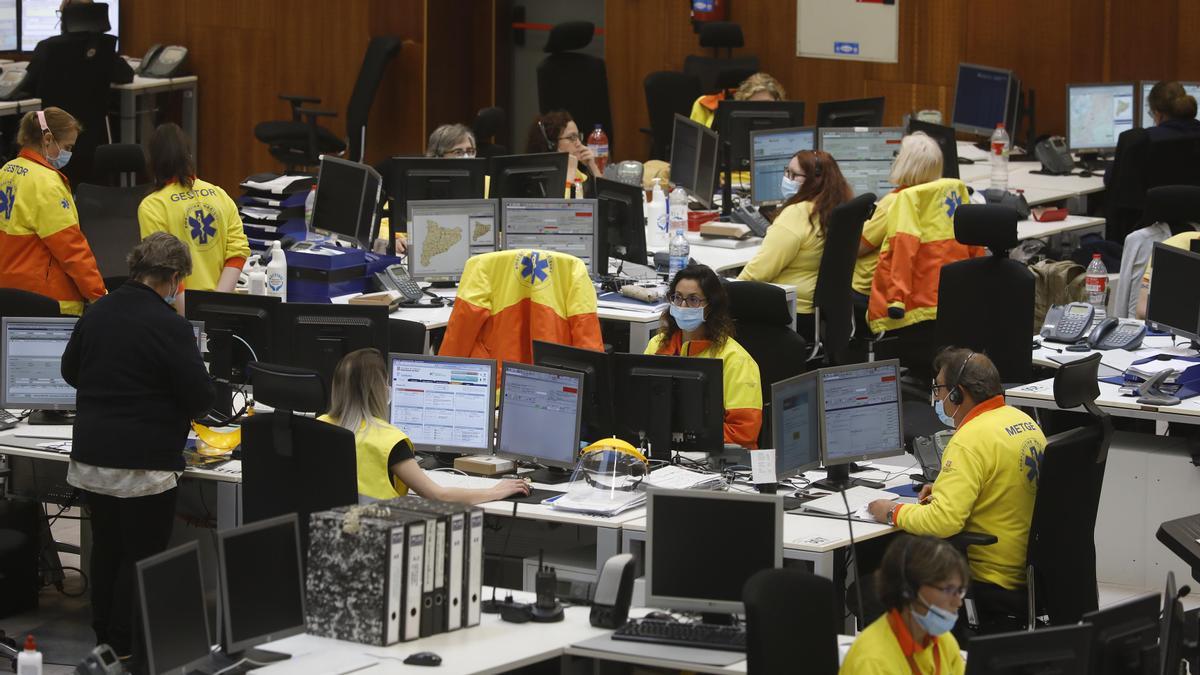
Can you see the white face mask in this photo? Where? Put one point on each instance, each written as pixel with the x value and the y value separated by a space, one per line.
pixel 789 187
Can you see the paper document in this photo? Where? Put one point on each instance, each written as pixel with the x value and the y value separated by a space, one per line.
pixel 57 446
pixel 1151 368
pixel 260 212
pixel 858 497
pixel 762 466
pixel 673 477
pixel 599 502
pixel 275 185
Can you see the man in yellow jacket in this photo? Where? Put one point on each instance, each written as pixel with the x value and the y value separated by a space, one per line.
pixel 989 476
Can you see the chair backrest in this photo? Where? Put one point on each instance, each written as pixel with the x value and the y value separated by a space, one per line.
pixel 1173 161
pixel 668 93
pixel 381 50
pixel 488 124
pixel 74 76
pixel 831 296
pixel 406 337
pixel 1176 205
pixel 108 218
pixel 711 71
pixel 790 612
pixel 575 82
pixel 112 159
pixel 17 302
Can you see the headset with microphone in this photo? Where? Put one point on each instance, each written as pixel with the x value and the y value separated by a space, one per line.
pixel 956 396
pixel 550 147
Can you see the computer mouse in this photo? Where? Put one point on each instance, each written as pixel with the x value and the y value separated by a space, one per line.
pixel 1085 174
pixel 423 659
pixel 660 616
pixel 1164 357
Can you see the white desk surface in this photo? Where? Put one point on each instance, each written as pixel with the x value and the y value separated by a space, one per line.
pixel 1041 395
pixel 16 107
pixel 146 83
pixel 1044 355
pixel 1032 229
pixel 1038 188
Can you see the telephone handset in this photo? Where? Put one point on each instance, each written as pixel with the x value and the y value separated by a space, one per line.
pixel 1069 323
pixel 395 278
pixel 163 61
pixel 751 218
pixel 1117 334
pixel 1054 156
pixel 12 82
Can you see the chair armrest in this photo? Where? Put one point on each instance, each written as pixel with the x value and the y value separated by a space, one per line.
pixel 314 113
pixel 296 101
pixel 962 540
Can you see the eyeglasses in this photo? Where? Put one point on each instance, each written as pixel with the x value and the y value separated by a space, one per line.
pixel 934 387
pixel 692 301
pixel 570 138
pixel 459 152
pixel 792 175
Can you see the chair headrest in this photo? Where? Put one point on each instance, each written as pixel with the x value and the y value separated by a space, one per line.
pixel 1172 204
pixel 1075 382
pixel 570 35
pixel 86 18
pixel 488 122
pixel 990 225
pixel 719 34
pixel 119 158
pixel 287 388
pixel 758 302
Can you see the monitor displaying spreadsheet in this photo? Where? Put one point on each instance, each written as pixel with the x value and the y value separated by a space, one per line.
pixel 1191 88
pixel 40 19
pixel 540 413
pixel 770 152
pixel 32 363
pixel 861 408
pixel 1097 114
pixel 864 154
pixel 559 225
pixel 444 404
pixel 8 26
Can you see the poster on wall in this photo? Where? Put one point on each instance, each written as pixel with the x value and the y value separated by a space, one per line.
pixel 852 30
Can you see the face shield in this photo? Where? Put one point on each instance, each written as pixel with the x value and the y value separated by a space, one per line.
pixel 610 466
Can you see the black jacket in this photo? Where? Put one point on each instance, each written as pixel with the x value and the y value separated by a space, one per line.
pixel 139 381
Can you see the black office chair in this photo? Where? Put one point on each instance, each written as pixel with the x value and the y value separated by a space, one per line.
pixel 833 306
pixel 790 612
pixel 668 93
pixel 290 463
pixel 489 124
pixel 108 218
pixel 1176 205
pixel 117 161
pixel 17 302
pixel 575 82
pixel 718 35
pixel 998 327
pixel 406 337
pixel 1140 164
pixel 301 141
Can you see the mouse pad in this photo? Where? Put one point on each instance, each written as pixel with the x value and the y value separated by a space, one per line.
pixel 535 496
pixel 705 657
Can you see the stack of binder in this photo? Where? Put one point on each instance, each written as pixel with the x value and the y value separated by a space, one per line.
pixel 273 206
pixel 394 571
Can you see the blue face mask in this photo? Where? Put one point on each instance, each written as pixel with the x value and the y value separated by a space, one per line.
pixel 940 409
pixel 936 621
pixel 687 318
pixel 59 162
pixel 789 187
pixel 170 297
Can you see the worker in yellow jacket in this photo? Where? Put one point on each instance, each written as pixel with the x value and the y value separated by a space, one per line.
pixel 42 249
pixel 989 477
pixel 757 87
pixel 197 212
pixel 698 323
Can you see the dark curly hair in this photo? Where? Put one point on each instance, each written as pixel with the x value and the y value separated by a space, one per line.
pixel 912 562
pixel 718 322
pixel 553 123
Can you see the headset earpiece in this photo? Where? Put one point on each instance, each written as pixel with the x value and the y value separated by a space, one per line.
pixel 907 592
pixel 551 147
pixel 956 396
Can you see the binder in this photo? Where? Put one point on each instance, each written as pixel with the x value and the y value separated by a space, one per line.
pixel 474 554
pixel 449 606
pixel 433 589
pixel 405 580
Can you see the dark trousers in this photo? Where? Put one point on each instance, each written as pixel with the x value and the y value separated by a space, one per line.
pixel 124 531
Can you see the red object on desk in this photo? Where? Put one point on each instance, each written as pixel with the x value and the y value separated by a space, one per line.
pixel 1048 215
pixel 698 218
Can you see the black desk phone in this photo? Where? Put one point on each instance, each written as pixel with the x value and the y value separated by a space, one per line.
pixel 1068 323
pixel 12 82
pixel 1117 334
pixel 163 61
pixel 751 218
pixel 395 278
pixel 1054 156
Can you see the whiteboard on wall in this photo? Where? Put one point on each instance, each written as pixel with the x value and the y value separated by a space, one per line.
pixel 851 30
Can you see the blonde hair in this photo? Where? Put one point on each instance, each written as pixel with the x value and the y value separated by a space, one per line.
pixel 919 161
pixel 758 83
pixel 58 120
pixel 360 391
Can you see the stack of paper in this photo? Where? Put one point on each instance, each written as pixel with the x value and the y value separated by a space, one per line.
pixel 678 478
pixel 1149 369
pixel 273 206
pixel 586 499
pixel 617 301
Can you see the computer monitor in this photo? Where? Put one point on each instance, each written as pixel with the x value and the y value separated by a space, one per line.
pixel 198 333
pixel 1192 89
pixel 317 335
pixel 9 33
pixel 983 98
pixel 31 367
pixel 1061 650
pixel 735 120
pixel 621 231
pixel 538 176
pixel 1098 113
pixel 426 178
pixel 1173 302
pixel 240 329
pixel 687 569
pixel 946 141
pixel 770 152
pixel 694 156
pixel 596 369
pixel 864 155
pixel 347 200
pixel 540 412
pixel 860 417
pixel 858 112
pixel 444 404
pixel 39 19
pixel 1170 637
pixel 796 424
pixel 444 234
pixel 262 584
pixel 559 225
pixel 1125 637
pixel 174 615
pixel 669 402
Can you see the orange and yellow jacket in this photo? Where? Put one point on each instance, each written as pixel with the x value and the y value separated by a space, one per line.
pixel 741 382
pixel 704 109
pixel 41 247
pixel 919 241
pixel 508 299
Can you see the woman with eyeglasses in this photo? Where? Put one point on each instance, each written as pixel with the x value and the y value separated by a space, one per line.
pixel 791 252
pixel 556 131
pixel 451 141
pixel 387 465
pixel 921 582
pixel 698 323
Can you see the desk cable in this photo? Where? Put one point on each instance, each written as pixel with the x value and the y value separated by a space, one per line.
pixel 853 557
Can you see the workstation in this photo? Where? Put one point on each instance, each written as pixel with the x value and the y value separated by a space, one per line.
pixel 439 378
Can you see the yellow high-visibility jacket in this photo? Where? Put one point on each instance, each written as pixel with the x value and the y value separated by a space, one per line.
pixel 886 647
pixel 207 220
pixel 790 254
pixel 373 449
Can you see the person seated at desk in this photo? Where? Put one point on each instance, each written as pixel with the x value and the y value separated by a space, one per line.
pixel 451 141
pixel 989 476
pixel 791 252
pixel 757 87
pixel 921 583
pixel 556 131
pixel 196 212
pixel 42 249
pixel 1182 240
pixel 387 465
pixel 139 381
pixel 698 323
pixel 1174 113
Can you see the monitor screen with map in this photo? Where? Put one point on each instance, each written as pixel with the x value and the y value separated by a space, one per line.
pixel 444 233
pixel 1098 113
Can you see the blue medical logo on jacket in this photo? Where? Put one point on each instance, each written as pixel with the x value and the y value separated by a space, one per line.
pixel 200 223
pixel 1031 463
pixel 8 199
pixel 953 201
pixel 534 267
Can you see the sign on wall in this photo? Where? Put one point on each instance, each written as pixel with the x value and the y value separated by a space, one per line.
pixel 853 30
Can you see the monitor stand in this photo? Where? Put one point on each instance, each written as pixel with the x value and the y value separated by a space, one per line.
pixel 549 475
pixel 838 479
pixel 260 656
pixel 443 284
pixel 1092 161
pixel 55 417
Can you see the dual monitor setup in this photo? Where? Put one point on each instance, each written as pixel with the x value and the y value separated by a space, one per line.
pixel 1098 113
pixel 25 23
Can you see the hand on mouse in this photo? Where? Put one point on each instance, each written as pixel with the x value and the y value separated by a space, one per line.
pixel 509 487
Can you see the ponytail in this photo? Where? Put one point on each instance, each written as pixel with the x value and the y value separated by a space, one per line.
pixel 59 121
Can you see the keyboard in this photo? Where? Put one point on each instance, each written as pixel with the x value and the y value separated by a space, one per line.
pixel 701 635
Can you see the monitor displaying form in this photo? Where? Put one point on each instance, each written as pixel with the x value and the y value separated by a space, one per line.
pixel 1097 114
pixel 1173 303
pixel 796 425
pixel 262 583
pixel 347 200
pixel 864 154
pixel 443 234
pixel 983 98
pixel 444 404
pixel 1192 89
pixel 860 417
pixel 694 159
pixel 174 615
pixel 540 412
pixel 770 152
pixel 40 20
pixel 559 225
pixel 31 367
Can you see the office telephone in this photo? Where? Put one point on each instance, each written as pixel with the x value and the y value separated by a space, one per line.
pixel 1117 334
pixel 395 278
pixel 12 82
pixel 163 61
pixel 751 218
pixel 1069 323
pixel 1054 156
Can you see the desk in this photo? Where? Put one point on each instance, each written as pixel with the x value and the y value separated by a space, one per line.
pixel 21 107
pixel 1038 188
pixel 131 130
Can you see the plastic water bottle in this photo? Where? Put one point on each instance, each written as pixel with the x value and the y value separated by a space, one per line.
pixel 258 280
pixel 1096 283
pixel 597 142
pixel 680 250
pixel 277 272
pixel 999 158
pixel 29 660
pixel 677 207
pixel 656 216
pixel 308 207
